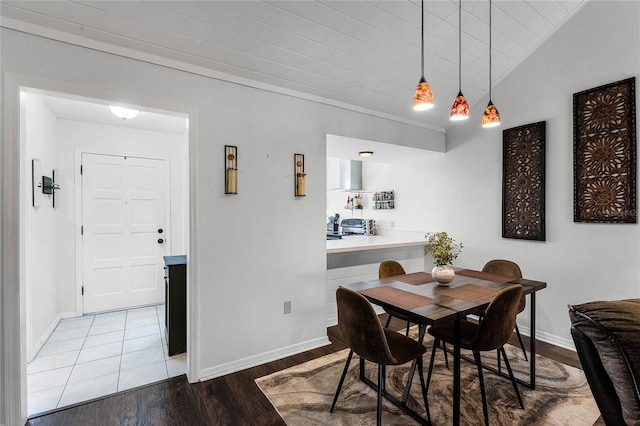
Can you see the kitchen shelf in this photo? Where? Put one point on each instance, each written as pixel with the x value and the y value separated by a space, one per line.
pixel 383 200
pixel 360 207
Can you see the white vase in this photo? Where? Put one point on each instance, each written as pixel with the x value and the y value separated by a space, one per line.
pixel 443 274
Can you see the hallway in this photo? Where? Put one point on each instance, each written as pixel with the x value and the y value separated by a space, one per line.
pixel 95 355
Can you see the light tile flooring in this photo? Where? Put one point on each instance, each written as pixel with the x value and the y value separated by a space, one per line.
pixel 96 355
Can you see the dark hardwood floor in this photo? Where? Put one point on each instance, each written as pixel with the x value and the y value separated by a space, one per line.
pixel 233 399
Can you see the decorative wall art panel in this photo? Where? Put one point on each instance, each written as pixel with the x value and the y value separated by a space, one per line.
pixel 604 154
pixel 523 182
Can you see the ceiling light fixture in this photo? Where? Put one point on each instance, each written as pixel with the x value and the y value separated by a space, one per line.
pixel 423 98
pixel 491 117
pixel 460 107
pixel 365 153
pixel 124 113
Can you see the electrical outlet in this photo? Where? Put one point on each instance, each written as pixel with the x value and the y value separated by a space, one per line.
pixel 287 307
pixel 392 224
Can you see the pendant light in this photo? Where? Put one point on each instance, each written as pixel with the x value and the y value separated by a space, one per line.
pixel 423 98
pixel 460 107
pixel 491 117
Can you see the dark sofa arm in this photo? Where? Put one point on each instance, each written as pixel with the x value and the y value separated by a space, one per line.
pixel 601 386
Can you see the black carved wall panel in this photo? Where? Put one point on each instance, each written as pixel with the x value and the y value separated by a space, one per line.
pixel 604 154
pixel 523 182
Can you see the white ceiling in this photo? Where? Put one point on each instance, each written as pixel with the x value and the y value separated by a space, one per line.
pixel 360 53
pixel 97 111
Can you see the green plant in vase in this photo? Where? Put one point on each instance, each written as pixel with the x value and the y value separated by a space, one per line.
pixel 444 251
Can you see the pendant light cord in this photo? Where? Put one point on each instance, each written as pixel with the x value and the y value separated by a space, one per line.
pixel 460 46
pixel 490 80
pixel 422 41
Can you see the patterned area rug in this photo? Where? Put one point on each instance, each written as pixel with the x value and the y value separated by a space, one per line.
pixel 303 394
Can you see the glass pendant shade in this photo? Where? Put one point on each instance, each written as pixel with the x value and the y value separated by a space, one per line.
pixel 491 117
pixel 423 98
pixel 460 108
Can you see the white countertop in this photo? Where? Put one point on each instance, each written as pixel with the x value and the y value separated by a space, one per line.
pixel 360 242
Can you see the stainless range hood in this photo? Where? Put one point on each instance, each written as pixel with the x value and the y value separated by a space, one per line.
pixel 350 175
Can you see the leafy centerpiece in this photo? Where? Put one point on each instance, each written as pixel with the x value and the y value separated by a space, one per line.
pixel 444 251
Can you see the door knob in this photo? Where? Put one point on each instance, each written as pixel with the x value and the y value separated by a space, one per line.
pixel 160 231
pixel 160 241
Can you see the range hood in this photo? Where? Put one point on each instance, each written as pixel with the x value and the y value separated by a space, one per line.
pixel 350 175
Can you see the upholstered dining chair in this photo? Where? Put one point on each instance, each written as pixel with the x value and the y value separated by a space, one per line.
pixel 490 334
pixel 364 335
pixel 509 269
pixel 391 268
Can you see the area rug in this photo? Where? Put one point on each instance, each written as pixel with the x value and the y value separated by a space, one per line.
pixel 303 394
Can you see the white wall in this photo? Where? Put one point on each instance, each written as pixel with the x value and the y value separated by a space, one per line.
pixel 42 231
pixel 243 263
pixel 579 261
pixel 412 184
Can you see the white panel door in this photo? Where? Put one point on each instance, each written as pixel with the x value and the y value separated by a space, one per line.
pixel 124 231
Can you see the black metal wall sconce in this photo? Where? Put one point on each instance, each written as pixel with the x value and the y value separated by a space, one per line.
pixel 231 169
pixel 42 184
pixel 300 175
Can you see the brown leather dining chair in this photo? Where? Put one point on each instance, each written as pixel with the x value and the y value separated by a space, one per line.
pixel 509 269
pixel 363 333
pixel 490 334
pixel 391 268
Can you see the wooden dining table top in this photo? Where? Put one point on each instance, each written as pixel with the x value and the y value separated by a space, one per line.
pixel 420 297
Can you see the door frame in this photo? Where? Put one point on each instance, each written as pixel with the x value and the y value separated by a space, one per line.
pixel 79 202
pixel 12 265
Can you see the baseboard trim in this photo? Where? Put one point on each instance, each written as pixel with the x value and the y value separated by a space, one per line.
pixel 47 333
pixel 263 358
pixel 550 338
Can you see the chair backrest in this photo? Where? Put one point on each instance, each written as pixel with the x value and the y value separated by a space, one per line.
pixel 506 268
pixel 390 268
pixel 503 267
pixel 361 328
pixel 499 320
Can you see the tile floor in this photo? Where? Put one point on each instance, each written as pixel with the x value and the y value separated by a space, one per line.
pixel 96 355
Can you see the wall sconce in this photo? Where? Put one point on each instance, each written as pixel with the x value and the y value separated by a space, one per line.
pixel 231 169
pixel 300 175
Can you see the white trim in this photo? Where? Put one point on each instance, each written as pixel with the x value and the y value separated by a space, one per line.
pixel 549 338
pixel 13 285
pixel 64 37
pixel 47 333
pixel 13 317
pixel 252 361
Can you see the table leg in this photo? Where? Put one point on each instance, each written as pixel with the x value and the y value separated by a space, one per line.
pixel 532 342
pixel 456 372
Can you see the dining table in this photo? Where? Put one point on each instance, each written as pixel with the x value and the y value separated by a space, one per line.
pixel 425 302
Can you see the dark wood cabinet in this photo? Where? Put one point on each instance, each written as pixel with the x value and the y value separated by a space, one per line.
pixel 175 278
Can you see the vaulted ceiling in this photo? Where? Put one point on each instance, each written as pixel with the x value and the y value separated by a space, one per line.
pixel 364 54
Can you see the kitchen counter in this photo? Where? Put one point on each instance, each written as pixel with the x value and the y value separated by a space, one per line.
pixel 351 243
pixel 357 258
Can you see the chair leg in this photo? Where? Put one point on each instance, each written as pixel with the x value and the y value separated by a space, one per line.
pixel 407 332
pixel 499 361
pixel 476 356
pixel 446 355
pixel 436 343
pixel 513 379
pixel 344 373
pixel 381 374
pixel 423 387
pixel 521 342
